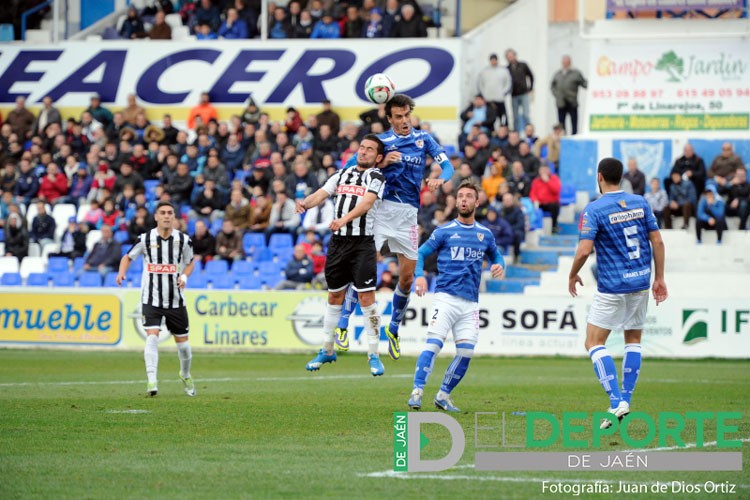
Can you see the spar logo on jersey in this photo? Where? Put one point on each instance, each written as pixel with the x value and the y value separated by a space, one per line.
pixel 463 253
pixel 161 268
pixel 351 190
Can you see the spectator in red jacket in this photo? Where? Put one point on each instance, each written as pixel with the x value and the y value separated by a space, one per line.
pixel 54 185
pixel 545 193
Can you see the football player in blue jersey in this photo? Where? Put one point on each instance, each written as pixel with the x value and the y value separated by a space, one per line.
pixel 396 219
pixel 622 229
pixel 461 246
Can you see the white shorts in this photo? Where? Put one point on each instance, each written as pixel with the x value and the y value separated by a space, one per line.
pixel 619 311
pixel 456 314
pixel 396 223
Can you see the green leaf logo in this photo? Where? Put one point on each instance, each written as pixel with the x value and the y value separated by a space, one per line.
pixel 673 65
pixel 695 321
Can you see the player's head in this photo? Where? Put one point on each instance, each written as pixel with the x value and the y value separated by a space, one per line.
pixel 164 215
pixel 398 111
pixel 609 172
pixel 370 151
pixel 467 197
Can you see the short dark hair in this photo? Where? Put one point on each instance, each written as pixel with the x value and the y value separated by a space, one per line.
pixel 611 170
pixel 467 184
pixel 399 100
pixel 374 138
pixel 165 203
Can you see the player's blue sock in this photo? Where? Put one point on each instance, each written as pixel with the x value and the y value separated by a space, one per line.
pixel 425 362
pixel 400 301
pixel 631 368
pixel 604 367
pixel 458 367
pixel 350 304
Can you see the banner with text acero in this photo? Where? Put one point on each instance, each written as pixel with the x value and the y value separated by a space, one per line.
pixel 289 73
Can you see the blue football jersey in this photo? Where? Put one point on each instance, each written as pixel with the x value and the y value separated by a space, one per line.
pixel 461 250
pixel 619 224
pixel 403 180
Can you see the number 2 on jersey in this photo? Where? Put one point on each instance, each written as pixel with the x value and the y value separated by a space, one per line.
pixel 632 243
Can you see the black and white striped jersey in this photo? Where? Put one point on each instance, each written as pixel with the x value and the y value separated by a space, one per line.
pixel 349 186
pixel 163 261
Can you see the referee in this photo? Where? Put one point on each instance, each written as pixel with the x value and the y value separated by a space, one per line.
pixel 351 253
pixel 169 261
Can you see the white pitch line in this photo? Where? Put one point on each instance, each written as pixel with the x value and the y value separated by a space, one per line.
pixel 225 379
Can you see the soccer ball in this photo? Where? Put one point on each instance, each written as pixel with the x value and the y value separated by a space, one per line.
pixel 379 88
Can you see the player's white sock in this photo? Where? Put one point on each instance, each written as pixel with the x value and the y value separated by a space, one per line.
pixel 330 322
pixel 151 356
pixel 372 327
pixel 185 353
pixel 631 368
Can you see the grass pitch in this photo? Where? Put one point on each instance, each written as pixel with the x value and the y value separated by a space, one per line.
pixel 77 425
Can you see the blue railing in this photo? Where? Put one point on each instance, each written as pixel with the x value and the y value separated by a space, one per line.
pixel 29 12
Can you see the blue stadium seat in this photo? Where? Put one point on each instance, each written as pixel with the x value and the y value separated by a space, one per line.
pixel 253 242
pixel 191 226
pixel 241 175
pixel 568 228
pixel 2 235
pixel 122 236
pixel 270 268
pixel 250 282
pixel 63 279
pixel 58 265
pixel 243 268
pixel 567 195
pixel 78 263
pixel 6 32
pixel 150 187
pixel 449 149
pixel 110 279
pixel 197 266
pixel 263 255
pixel 197 280
pixel 136 266
pixel 221 281
pixel 521 272
pixel 270 280
pixel 37 279
pixel 216 267
pixel 284 254
pixel 135 280
pixel 215 227
pixel 90 279
pixel 11 279
pixel 281 240
pixel 539 257
pixel 504 286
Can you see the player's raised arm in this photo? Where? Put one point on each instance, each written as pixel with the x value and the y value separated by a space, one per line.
pixel 658 248
pixel 320 195
pixel 122 272
pixel 585 248
pixel 428 248
pixel 438 154
pixel 362 207
pixel 497 261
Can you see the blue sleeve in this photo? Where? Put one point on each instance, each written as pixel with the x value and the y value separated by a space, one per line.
pixel 651 223
pixel 701 212
pixel 437 153
pixel 428 248
pixel 494 254
pixel 588 225
pixel 718 208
